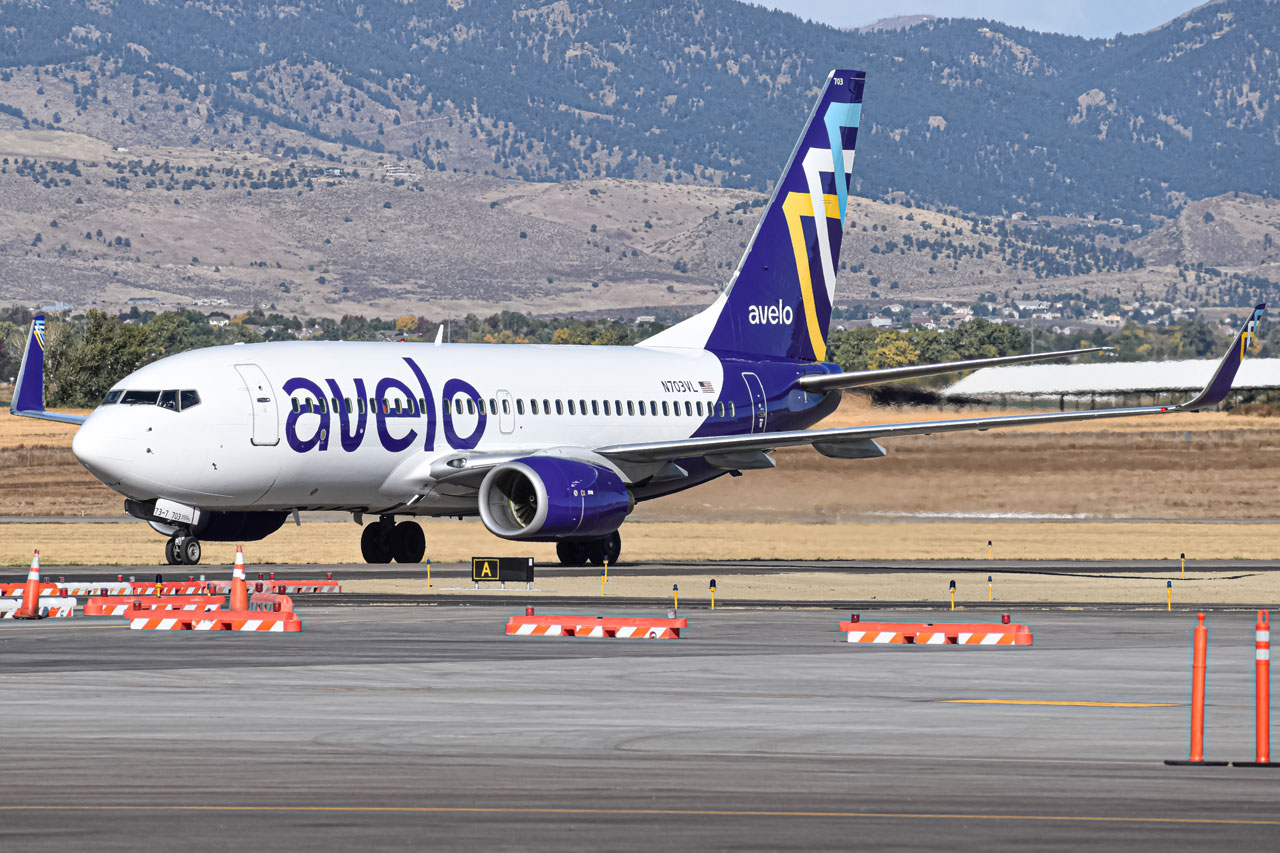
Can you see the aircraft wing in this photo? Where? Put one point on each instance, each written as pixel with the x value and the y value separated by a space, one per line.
pixel 859 442
pixel 28 394
pixel 822 382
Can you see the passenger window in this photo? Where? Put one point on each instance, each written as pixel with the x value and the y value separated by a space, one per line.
pixel 346 402
pixel 720 410
pixel 493 406
pixel 688 408
pixel 560 407
pixel 311 406
pixel 606 407
pixel 617 407
pixel 519 407
pixel 732 410
pixel 396 406
pixel 321 406
pixel 296 407
pixel 546 407
pixel 386 406
pixel 653 407
pixel 571 410
pixel 188 400
pixel 169 400
pixel 471 406
pixel 506 407
pixel 641 405
pixel 533 407
pixel 582 406
pixel 699 408
pixel 664 408
pixel 337 406
pixel 422 406
pixel 373 405
pixel 631 409
pixel 595 408
pixel 111 398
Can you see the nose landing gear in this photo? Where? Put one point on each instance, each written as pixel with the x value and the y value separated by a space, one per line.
pixel 182 550
pixel 384 541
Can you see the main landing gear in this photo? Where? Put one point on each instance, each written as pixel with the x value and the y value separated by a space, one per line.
pixel 579 552
pixel 384 541
pixel 182 550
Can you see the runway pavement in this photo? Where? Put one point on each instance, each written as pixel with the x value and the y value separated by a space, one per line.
pixel 397 726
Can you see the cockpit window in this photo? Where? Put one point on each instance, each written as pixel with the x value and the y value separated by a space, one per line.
pixel 140 398
pixel 173 400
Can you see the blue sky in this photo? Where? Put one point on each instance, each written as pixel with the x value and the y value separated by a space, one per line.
pixel 1092 18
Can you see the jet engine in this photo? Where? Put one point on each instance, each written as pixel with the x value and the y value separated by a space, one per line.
pixel 544 498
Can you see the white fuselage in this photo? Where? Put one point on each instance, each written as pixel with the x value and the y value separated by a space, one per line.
pixel 277 426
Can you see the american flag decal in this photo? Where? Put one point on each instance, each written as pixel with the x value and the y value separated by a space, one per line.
pixel 707 387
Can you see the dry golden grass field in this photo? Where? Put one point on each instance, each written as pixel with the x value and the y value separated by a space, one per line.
pixel 1139 489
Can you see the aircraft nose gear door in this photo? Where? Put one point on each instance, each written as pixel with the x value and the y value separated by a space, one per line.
pixel 759 410
pixel 266 423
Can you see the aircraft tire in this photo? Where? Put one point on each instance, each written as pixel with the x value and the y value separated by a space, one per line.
pixel 171 555
pixel 408 542
pixel 374 547
pixel 573 553
pixel 188 550
pixel 605 549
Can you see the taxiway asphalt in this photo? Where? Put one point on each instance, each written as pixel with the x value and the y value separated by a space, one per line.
pixel 427 726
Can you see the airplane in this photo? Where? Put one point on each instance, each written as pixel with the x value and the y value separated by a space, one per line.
pixel 543 443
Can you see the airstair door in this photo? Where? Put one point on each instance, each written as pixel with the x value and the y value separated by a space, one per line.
pixel 759 407
pixel 262 401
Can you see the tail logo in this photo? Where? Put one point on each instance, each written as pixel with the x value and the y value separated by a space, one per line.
pixel 37 328
pixel 797 206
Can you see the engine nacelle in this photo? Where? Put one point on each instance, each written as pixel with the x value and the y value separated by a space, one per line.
pixel 544 499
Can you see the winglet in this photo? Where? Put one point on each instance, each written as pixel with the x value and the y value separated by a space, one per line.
pixel 28 394
pixel 1216 391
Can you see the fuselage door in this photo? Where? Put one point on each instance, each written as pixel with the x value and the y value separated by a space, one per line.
pixel 262 401
pixel 759 407
pixel 506 413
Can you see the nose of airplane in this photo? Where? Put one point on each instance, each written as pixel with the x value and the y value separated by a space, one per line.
pixel 99 450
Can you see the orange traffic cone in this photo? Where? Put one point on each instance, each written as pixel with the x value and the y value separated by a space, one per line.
pixel 239 589
pixel 30 608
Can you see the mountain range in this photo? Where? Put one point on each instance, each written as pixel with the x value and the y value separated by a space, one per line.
pixel 963 114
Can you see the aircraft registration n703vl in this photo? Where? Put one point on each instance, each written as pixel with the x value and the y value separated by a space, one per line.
pixel 546 443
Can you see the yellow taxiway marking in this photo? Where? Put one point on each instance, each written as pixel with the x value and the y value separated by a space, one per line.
pixel 646 812
pixel 1064 702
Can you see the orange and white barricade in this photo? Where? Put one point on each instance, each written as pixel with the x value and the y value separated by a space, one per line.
pixel 55 606
pixel 601 627
pixel 218 620
pixel 126 605
pixel 930 634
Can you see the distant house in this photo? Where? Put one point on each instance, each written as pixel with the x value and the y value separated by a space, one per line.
pixel 646 318
pixel 218 318
pixel 334 172
pixel 880 322
pixel 56 308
